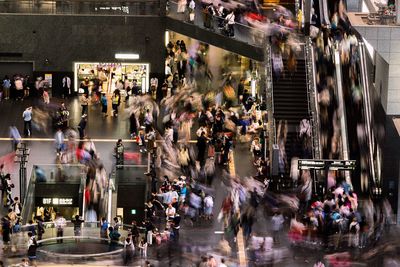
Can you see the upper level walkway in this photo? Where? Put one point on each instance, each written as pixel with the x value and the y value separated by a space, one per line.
pixel 247 41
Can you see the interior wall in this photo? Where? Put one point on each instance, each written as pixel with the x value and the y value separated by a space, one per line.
pixel 381 79
pixel 54 42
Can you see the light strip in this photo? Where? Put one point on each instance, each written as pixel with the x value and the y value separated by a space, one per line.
pixel 127 56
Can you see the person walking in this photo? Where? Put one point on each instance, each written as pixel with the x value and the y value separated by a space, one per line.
pixel 82 126
pixel 143 248
pixel 114 236
pixel 59 224
pixel 77 226
pixel 104 105
pixel 32 247
pixel 6 87
pixel 201 148
pixel 277 225
pixel 27 116
pixel 103 228
pixel 230 21
pixel 129 250
pixel 84 104
pixel 354 235
pixel 116 101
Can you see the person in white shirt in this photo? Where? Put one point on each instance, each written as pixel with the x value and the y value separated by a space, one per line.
pixel 59 224
pixel 230 20
pixel 27 116
pixel 168 70
pixel 192 6
pixel 170 211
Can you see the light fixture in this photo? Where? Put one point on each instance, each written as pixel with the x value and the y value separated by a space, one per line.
pixel 126 56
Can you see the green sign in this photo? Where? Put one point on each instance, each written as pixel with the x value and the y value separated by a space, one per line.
pixel 133 212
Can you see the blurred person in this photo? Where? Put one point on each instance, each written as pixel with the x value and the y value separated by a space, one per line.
pixel 40 227
pixel 354 230
pixel 16 206
pixel 119 152
pixel 32 247
pixel 103 228
pixel 104 104
pixel 230 22
pixel 182 6
pixel 114 236
pixel 59 224
pixel 84 104
pixel 6 232
pixel 116 101
pixel 15 137
pixel 27 116
pixel 46 97
pixel 201 148
pixel 77 226
pixel 143 248
pixel 6 87
pixel 59 141
pixel 82 126
pixel 63 114
pixel 129 250
pixel 277 225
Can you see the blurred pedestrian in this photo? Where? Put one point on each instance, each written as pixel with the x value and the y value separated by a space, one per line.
pixel 59 224
pixel 277 225
pixel 27 116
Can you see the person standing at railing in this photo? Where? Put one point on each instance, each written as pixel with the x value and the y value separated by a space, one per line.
pixel 77 226
pixel 32 246
pixel 59 224
pixel 103 228
pixel 182 6
pixel 129 250
pixel 230 21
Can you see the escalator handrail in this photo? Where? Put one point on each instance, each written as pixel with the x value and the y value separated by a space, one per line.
pixel 313 108
pixel 341 108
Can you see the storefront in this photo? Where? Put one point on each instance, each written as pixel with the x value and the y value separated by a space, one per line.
pixel 106 76
pixel 62 198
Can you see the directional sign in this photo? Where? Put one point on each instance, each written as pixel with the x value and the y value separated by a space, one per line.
pixel 322 164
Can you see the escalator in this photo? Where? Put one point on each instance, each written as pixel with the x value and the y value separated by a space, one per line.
pixel 290 107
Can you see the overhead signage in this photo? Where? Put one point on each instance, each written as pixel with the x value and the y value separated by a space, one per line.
pixel 322 164
pixel 57 201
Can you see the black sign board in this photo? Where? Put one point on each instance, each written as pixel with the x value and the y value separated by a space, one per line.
pixel 323 164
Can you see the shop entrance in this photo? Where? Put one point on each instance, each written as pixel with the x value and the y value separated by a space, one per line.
pixel 106 77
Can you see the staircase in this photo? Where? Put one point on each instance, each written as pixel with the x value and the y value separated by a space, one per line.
pixel 291 104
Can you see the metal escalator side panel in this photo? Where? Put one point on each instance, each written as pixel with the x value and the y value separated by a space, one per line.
pixel 28 203
pixel 312 98
pixel 367 112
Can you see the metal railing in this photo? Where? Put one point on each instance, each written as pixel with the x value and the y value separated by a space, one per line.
pixel 269 97
pixel 83 7
pixel 374 165
pixel 312 98
pixel 243 33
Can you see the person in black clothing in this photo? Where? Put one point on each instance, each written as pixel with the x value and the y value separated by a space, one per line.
pixel 133 125
pixel 82 126
pixel 32 247
pixel 135 232
pixel 40 227
pixel 176 226
pixel 6 228
pixel 201 148
pixel 240 92
pixel 114 237
pixel 77 226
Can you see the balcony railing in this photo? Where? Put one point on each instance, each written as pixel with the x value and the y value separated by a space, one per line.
pixel 83 7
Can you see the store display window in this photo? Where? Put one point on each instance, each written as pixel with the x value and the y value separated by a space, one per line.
pixel 106 77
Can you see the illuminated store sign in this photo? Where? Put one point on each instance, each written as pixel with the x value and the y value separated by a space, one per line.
pixel 58 201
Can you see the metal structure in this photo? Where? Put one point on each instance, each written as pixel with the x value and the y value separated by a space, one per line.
pixel 312 98
pixel 22 156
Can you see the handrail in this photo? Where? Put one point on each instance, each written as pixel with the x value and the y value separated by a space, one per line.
pixel 367 111
pixel 313 108
pixel 269 90
pixel 342 109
